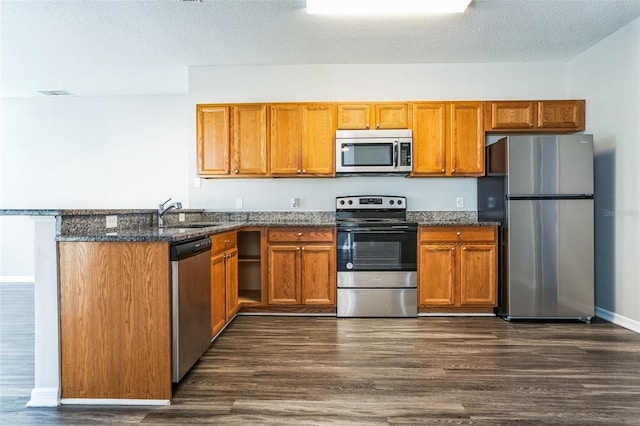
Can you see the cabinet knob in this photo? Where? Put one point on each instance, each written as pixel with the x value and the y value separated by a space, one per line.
pixel 453 249
pixel 378 126
pixel 304 171
pixel 443 170
pixel 458 233
pixel 299 171
pixel 227 241
pixel 464 248
pixel 299 234
pixel 302 248
pixel 367 126
pixel 453 170
pixel 236 171
pixel 297 248
pixel 530 124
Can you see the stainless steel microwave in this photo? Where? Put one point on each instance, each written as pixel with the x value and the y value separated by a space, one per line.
pixel 373 151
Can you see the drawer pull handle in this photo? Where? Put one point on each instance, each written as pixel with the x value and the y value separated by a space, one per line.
pixel 299 234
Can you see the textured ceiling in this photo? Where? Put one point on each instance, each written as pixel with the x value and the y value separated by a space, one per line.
pixel 144 47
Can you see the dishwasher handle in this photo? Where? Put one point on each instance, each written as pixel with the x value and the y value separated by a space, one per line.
pixel 185 249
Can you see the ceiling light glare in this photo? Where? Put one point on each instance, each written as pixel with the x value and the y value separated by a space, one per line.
pixel 385 7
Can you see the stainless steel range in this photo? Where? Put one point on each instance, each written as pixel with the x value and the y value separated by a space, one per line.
pixel 376 257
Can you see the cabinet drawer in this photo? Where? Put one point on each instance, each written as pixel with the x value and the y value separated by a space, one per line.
pixel 300 234
pixel 222 242
pixel 430 234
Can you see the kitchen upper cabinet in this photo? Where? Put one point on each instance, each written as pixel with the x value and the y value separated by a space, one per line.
pixel 448 139
pixel 302 266
pixel 363 116
pixel 213 130
pixel 231 140
pixel 249 140
pixel 457 268
pixel 558 116
pixel 302 139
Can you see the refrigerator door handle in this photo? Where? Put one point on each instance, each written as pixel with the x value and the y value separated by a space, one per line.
pixel 551 197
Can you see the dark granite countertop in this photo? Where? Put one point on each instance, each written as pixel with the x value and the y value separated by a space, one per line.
pixel 138 224
pixel 176 234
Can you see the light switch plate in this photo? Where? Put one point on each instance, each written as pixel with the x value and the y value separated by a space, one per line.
pixel 238 203
pixel 181 217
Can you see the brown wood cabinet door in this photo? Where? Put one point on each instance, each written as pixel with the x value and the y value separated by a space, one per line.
pixel 286 139
pixel 318 132
pixel 478 280
pixel 437 275
pixel 249 140
pixel 392 116
pixel 318 274
pixel 231 278
pixel 212 128
pixel 429 138
pixel 466 143
pixel 512 115
pixel 561 115
pixel 218 293
pixel 354 116
pixel 284 274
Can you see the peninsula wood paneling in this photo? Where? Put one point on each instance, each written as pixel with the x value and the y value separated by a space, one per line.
pixel 115 320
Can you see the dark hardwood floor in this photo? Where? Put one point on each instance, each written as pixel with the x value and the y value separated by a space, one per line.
pixel 322 370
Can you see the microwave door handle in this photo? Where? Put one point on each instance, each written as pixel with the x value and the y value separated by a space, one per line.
pixel 395 155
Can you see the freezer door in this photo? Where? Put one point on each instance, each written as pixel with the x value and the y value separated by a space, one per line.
pixel 550 164
pixel 550 259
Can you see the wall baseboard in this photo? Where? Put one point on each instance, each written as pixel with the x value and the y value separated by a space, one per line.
pixel 44 397
pixel 91 401
pixel 618 319
pixel 29 279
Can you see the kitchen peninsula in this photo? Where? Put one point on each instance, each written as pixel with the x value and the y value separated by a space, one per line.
pixel 57 231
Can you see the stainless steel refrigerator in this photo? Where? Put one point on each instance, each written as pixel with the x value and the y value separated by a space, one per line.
pixel 541 190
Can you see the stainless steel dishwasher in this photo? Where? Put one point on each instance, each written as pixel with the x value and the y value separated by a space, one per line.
pixel 190 303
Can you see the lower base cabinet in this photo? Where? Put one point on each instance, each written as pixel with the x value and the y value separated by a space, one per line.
pixel 224 280
pixel 301 266
pixel 457 268
pixel 115 320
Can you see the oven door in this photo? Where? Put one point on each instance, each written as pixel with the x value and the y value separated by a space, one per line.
pixel 371 250
pixel 367 156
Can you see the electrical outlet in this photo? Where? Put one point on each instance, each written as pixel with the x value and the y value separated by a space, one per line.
pixel 112 221
pixel 295 203
pixel 238 203
pixel 181 217
pixel 459 202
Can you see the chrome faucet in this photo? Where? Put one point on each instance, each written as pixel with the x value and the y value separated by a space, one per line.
pixel 162 210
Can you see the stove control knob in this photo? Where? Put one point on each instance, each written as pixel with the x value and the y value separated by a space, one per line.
pixel 350 202
pixel 342 202
pixel 399 202
pixel 391 202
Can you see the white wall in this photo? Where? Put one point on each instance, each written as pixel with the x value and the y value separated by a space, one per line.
pixel 608 77
pixel 317 83
pixel 134 151
pixel 93 152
